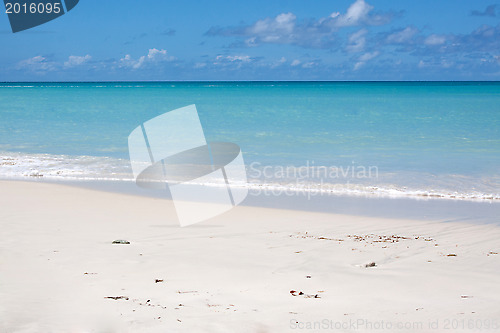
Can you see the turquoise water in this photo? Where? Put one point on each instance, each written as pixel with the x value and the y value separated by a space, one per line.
pixel 425 138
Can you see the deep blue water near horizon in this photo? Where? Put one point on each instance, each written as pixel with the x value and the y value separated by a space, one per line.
pixel 422 137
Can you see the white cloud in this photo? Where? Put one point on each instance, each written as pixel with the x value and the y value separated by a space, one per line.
pixel 435 40
pixel 358 65
pixel 76 60
pixel 402 36
pixel 356 13
pixel 294 63
pixel 126 61
pixel 437 63
pixel 154 56
pixel 285 28
pixel 199 65
pixel 368 56
pixel 278 63
pixel 283 23
pixel 37 64
pixel 274 30
pixel 250 42
pixel 364 58
pixel 232 60
pixel 357 41
pixel 244 58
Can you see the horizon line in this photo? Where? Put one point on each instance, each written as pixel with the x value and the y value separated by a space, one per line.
pixel 257 81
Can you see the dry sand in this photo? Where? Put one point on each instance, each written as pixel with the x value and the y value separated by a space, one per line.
pixel 249 270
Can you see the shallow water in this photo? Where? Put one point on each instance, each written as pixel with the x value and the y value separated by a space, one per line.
pixel 423 139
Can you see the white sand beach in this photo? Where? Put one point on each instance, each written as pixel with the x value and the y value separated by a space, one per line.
pixel 249 270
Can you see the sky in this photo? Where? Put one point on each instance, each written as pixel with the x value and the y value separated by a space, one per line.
pixel 137 40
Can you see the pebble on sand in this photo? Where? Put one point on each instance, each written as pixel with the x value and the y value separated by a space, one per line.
pixel 121 241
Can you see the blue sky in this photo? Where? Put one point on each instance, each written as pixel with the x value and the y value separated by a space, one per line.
pixel 259 40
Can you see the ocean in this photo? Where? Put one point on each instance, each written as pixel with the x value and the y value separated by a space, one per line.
pixel 397 139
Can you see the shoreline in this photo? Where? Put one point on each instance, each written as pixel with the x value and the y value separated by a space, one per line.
pixel 425 209
pixel 252 269
pixel 309 180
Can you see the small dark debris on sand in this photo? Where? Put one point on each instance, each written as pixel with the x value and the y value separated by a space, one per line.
pixel 186 292
pixel 121 241
pixel 158 280
pixel 300 293
pixel 117 297
pixel 465 296
pixel 36 174
pixel 372 238
pixel 372 264
pixel 451 255
pixel 306 235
